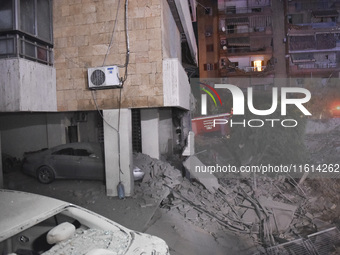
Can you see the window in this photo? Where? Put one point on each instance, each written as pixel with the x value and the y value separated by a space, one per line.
pixel 82 152
pixel 30 37
pixel 208 31
pixel 223 62
pixel 210 47
pixel 231 10
pixel 256 9
pixel 234 64
pixel 208 67
pixel 257 65
pixel 66 151
pixel 231 29
pixel 208 11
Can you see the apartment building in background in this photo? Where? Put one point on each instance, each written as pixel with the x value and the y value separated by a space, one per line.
pixel 72 70
pixel 313 38
pixel 238 40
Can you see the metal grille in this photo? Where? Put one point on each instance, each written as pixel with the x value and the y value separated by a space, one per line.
pixel 326 242
pixel 296 247
pixel 136 131
pixel 98 77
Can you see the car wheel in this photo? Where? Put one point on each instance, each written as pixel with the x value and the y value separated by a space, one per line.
pixel 45 174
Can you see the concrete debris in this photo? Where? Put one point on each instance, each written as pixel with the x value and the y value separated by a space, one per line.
pixel 208 180
pixel 282 213
pixel 189 150
pixel 278 208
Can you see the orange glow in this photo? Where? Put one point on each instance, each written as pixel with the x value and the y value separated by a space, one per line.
pixel 258 65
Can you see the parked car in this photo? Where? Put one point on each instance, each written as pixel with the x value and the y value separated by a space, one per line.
pixel 34 224
pixel 69 161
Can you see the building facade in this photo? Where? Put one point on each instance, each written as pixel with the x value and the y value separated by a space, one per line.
pixel 313 38
pixel 240 36
pixel 47 49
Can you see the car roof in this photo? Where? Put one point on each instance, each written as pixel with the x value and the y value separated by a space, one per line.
pixel 81 145
pixel 21 210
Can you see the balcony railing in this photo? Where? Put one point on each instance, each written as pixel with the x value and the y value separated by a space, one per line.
pixel 317 65
pixel 236 50
pixel 244 69
pixel 241 10
pixel 16 45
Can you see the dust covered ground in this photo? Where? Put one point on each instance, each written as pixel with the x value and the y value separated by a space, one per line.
pixel 246 214
pixel 280 207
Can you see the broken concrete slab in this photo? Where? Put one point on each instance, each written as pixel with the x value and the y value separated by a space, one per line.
pixel 189 150
pixel 208 180
pixel 282 213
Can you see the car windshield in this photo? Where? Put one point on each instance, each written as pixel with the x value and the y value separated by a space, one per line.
pixel 72 231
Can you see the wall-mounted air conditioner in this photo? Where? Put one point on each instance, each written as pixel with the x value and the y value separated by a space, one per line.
pixel 103 77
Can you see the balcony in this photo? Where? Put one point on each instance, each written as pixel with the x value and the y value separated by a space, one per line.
pixel 27 86
pixel 245 70
pixel 232 10
pixel 24 46
pixel 245 51
pixel 316 67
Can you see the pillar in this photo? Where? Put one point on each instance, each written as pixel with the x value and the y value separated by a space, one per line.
pixel 118 151
pixel 150 132
pixel 1 172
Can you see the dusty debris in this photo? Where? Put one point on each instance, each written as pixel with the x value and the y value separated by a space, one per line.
pixel 277 210
pixel 208 180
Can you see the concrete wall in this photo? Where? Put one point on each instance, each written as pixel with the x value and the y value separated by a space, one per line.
pixel 170 35
pixel 176 85
pixel 150 132
pixel 82 33
pixel 23 132
pixel 27 86
pixel 166 141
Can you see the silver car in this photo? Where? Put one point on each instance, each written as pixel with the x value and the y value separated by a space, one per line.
pixel 34 224
pixel 69 161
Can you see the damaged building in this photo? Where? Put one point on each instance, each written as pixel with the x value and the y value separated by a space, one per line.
pixel 96 71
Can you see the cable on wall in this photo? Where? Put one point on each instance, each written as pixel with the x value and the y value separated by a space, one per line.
pixel 122 79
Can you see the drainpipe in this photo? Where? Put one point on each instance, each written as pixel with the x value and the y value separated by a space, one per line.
pixel 1 169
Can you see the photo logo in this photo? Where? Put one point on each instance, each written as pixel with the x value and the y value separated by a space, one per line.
pixel 204 97
pixel 239 104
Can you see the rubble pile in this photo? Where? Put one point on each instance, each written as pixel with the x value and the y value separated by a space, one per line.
pixel 324 147
pixel 267 210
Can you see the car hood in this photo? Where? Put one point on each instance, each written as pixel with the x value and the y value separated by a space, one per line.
pixel 20 210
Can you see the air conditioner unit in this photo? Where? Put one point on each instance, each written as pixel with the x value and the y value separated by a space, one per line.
pixel 103 77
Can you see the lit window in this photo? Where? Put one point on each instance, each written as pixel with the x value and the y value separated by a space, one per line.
pixel 258 65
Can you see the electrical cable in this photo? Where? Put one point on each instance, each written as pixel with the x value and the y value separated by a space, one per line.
pixel 113 33
pixel 122 79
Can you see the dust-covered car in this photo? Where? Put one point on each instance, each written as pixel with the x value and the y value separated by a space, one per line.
pixel 69 161
pixel 34 224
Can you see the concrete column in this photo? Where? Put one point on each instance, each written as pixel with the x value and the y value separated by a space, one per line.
pixel 1 173
pixel 150 132
pixel 112 151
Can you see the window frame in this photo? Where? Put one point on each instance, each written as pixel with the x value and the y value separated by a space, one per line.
pixel 23 40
